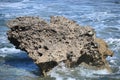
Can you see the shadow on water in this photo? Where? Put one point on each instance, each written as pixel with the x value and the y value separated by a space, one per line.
pixel 22 61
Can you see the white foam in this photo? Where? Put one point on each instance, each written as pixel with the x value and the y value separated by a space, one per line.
pixel 56 71
pixel 115 43
pixel 3 39
pixel 25 0
pixel 5 51
pixel 98 16
pixel 17 5
pixel 111 40
pixel 61 72
pixel 71 79
pixel 91 73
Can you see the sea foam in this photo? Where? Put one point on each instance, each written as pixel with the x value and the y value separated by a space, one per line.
pixel 61 72
pixel 5 51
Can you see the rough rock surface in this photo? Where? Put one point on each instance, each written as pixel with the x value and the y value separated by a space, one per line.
pixel 60 40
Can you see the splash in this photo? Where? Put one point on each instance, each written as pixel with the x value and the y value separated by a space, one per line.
pixel 6 51
pixel 61 72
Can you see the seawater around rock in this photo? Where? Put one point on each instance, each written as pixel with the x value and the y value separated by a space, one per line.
pixel 102 15
pixel 60 40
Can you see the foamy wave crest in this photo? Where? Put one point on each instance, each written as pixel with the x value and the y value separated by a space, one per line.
pixel 61 72
pixel 114 61
pixel 17 5
pixel 79 73
pixel 3 39
pixel 98 16
pixel 25 0
pixel 5 51
pixel 114 43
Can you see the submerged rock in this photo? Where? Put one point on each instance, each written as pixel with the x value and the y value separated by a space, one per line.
pixel 60 40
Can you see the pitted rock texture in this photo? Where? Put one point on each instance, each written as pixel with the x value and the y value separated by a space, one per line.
pixel 60 40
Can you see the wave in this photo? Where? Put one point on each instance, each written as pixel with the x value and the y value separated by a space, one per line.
pixel 114 43
pixel 6 51
pixel 16 5
pixel 25 0
pixel 3 39
pixel 15 73
pixel 61 72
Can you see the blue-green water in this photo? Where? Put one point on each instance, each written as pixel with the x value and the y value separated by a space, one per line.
pixel 102 15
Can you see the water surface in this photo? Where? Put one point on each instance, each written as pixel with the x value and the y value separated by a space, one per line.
pixel 102 15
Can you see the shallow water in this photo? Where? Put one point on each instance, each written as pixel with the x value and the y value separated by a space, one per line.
pixel 102 15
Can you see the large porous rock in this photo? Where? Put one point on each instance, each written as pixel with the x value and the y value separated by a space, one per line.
pixel 60 40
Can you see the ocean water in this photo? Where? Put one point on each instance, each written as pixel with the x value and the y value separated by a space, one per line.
pixel 102 15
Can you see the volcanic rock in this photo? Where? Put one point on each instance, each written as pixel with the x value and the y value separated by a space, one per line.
pixel 60 40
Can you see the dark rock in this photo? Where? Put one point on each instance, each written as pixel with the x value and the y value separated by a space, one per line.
pixel 61 40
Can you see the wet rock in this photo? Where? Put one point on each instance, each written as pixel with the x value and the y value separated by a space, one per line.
pixel 60 40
